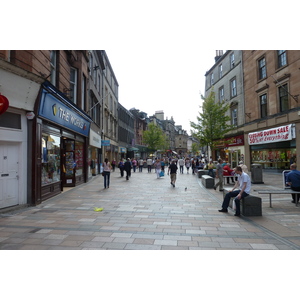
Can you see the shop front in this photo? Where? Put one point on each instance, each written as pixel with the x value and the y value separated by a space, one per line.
pixel 275 148
pixel 234 150
pixel 59 147
pixel 94 154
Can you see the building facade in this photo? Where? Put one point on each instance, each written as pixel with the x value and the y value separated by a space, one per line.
pixel 225 78
pixel 272 88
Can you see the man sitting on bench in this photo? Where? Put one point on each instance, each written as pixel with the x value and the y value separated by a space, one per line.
pixel 244 184
pixel 293 179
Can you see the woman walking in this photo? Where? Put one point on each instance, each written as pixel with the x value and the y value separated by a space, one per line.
pixel 106 172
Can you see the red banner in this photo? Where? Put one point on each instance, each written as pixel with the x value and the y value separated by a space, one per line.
pixel 3 104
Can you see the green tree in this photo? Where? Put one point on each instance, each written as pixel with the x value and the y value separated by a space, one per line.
pixel 155 138
pixel 213 122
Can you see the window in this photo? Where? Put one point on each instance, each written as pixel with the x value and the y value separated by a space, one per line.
pixel 263 105
pixel 221 93
pixel 262 70
pixel 95 109
pixel 283 97
pixel 53 67
pixel 231 60
pixel 211 79
pixel 281 58
pixel 73 84
pixel 234 116
pixel 233 92
pixel 220 71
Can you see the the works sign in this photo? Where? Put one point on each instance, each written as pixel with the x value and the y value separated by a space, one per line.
pixel 54 110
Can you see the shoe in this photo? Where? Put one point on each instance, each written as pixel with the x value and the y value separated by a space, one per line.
pixel 221 190
pixel 293 201
pixel 237 215
pixel 224 210
pixel 215 188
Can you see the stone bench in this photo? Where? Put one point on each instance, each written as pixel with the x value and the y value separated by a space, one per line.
pixel 202 172
pixel 250 205
pixel 207 181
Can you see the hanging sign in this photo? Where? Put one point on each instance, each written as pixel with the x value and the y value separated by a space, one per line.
pixel 4 103
pixel 273 135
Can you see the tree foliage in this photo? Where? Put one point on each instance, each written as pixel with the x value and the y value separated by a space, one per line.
pixel 155 138
pixel 213 122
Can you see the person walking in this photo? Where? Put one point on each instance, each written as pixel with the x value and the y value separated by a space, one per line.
pixel 113 164
pixel 134 164
pixel 149 164
pixel 157 166
pixel 106 172
pixel 141 164
pixel 227 171
pixel 127 168
pixel 219 175
pixel 172 170
pixel 121 167
pixel 244 184
pixel 181 165
pixel 187 165
pixel 293 180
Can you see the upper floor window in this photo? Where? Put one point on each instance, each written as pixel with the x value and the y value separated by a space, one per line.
pixel 83 88
pixel 73 84
pixel 234 116
pixel 263 105
pixel 281 58
pixel 53 67
pixel 262 69
pixel 233 91
pixel 221 94
pixel 220 71
pixel 212 79
pixel 283 97
pixel 231 60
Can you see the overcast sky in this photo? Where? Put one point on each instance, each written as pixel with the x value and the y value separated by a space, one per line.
pixel 162 78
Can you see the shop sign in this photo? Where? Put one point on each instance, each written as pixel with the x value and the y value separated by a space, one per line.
pixel 54 110
pixel 273 135
pixel 122 150
pixel 95 139
pixel 105 142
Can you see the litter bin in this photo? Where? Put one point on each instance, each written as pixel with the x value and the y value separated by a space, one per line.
pixel 256 173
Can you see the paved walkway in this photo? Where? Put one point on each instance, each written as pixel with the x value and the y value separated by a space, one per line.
pixel 148 213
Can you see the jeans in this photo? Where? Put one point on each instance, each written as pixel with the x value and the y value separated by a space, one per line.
pixel 106 179
pixel 211 173
pixel 181 169
pixel 237 201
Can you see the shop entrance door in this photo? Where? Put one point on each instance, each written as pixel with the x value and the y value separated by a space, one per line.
pixel 9 174
pixel 69 164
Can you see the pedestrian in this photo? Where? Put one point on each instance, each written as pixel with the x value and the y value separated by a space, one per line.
pixel 134 164
pixel 244 167
pixel 210 168
pixel 106 172
pixel 113 165
pixel 149 164
pixel 157 166
pixel 219 175
pixel 227 171
pixel 244 184
pixel 172 170
pixel 121 167
pixel 187 165
pixel 181 165
pixel 141 164
pixel 293 179
pixel 162 165
pixel 127 168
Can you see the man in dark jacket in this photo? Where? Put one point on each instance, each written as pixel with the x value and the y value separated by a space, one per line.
pixel 173 170
pixel 127 168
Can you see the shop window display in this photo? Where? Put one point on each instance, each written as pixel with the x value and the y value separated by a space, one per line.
pixel 50 159
pixel 274 158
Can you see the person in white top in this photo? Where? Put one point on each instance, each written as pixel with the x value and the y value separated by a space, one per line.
pixel 244 184
pixel 244 167
pixel 106 172
pixel 181 164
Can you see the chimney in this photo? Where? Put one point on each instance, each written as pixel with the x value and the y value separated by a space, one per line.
pixel 219 54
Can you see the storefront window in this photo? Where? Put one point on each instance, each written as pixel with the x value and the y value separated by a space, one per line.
pixel 79 158
pixel 50 159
